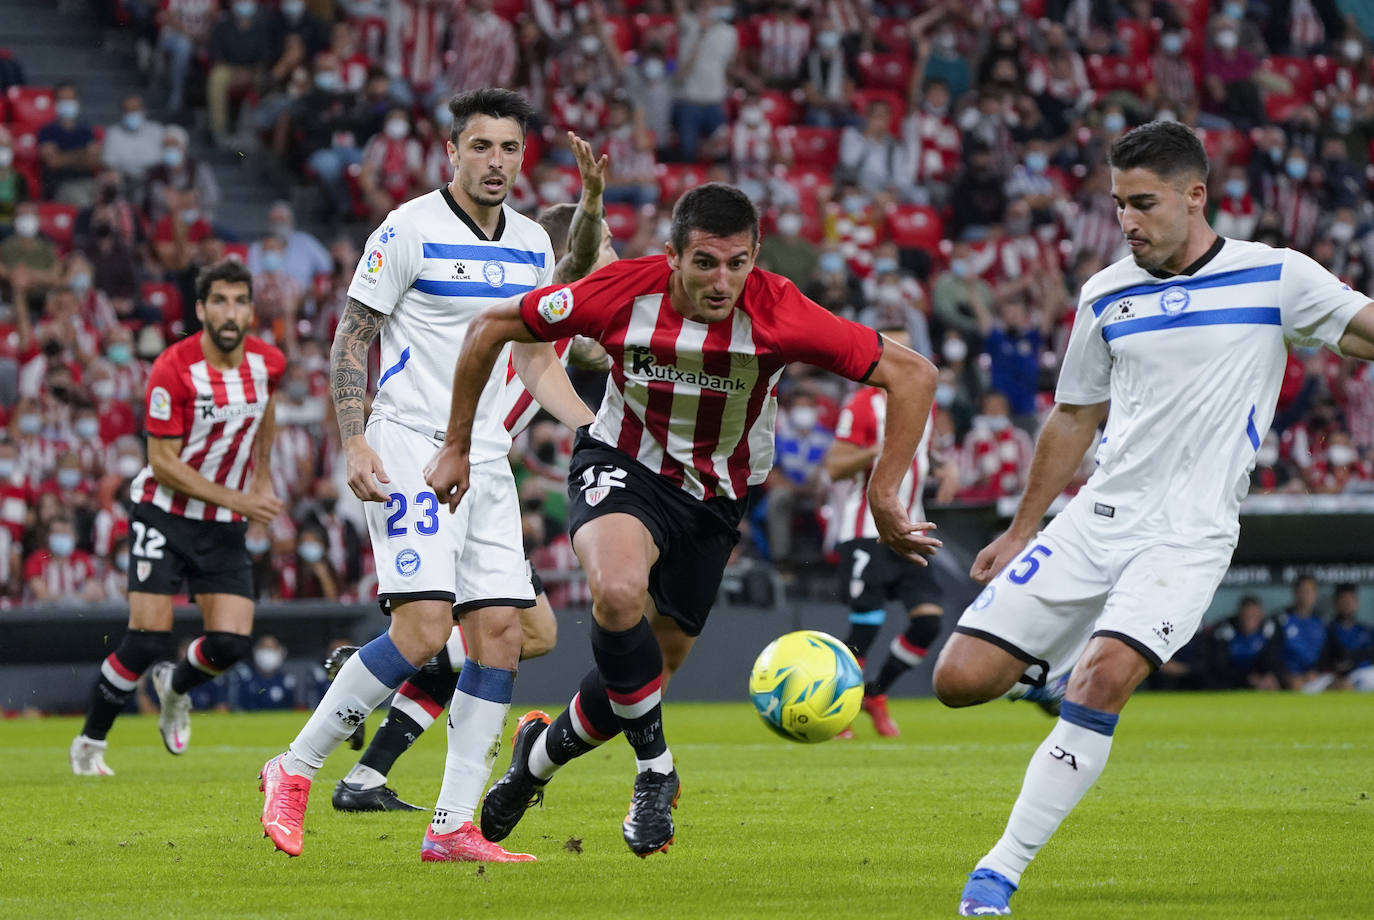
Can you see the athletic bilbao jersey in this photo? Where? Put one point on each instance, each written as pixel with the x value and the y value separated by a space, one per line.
pixel 430 269
pixel 862 423
pixel 695 401
pixel 1192 365
pixel 517 406
pixel 215 414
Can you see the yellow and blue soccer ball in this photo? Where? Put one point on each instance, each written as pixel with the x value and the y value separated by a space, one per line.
pixel 807 686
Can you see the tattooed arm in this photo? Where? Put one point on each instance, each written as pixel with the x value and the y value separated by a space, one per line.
pixel 348 385
pixel 585 231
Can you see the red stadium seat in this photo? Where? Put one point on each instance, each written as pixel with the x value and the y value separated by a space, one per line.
pixel 660 26
pixel 914 226
pixel 237 251
pixel 861 99
pixel 1323 71
pixel 1109 73
pixel 813 147
pixel 624 220
pixel 57 222
pixel 623 32
pixel 31 105
pixel 1137 38
pixel 779 108
pixel 26 158
pixel 884 71
pixel 166 299
pixel 676 178
pixel 1297 71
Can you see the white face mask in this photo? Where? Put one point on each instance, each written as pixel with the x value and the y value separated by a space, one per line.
pixel 1353 49
pixel 26 225
pixel 954 350
pixel 655 70
pixel 790 224
pixel 751 115
pixel 804 418
pixel 1267 455
pixel 62 544
pixel 128 466
pixel 589 44
pixel 997 422
pixel 944 394
pixel 1227 39
pixel 87 427
pixel 68 478
pixel 397 128
pixel 6 157
pixel 103 389
pixel 1342 232
pixel 268 660
pixel 1342 455
pixel 311 552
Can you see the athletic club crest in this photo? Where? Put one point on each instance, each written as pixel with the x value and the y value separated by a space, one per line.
pixel 143 569
pixel 495 273
pixel 594 495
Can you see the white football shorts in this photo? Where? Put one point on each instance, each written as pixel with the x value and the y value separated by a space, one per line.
pixel 1064 589
pixel 473 557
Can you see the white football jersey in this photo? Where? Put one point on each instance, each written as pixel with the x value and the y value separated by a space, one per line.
pixel 431 269
pixel 1192 365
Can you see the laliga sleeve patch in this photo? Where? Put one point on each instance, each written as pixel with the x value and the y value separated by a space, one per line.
pixel 556 306
pixel 160 404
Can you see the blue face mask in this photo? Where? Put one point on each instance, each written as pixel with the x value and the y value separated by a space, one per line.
pixel 133 121
pixel 271 261
pixel 67 109
pixel 1340 112
pixel 884 266
pixel 62 544
pixel 30 423
pixel 1171 43
pixel 1235 188
pixel 119 354
pixel 1114 122
pixel 68 478
pixel 1296 169
pixel 1037 162
pixel 832 263
pixel 960 267
pixel 1235 11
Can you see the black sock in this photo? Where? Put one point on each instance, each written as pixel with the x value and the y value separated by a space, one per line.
pixel 209 656
pixel 905 652
pixel 429 688
pixel 631 664
pixel 119 674
pixel 585 725
pixel 861 636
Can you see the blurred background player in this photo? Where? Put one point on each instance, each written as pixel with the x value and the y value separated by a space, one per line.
pixel 1185 341
pixel 210 427
pixel 698 340
pixel 427 270
pixel 871 573
pixel 421 698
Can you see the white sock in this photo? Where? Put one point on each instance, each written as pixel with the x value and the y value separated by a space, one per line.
pixel 541 764
pixel 365 776
pixel 474 736
pixel 663 763
pixel 1061 771
pixel 349 700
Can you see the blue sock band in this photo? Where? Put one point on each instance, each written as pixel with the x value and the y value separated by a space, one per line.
pixel 385 661
pixel 495 685
pixel 1094 720
pixel 868 617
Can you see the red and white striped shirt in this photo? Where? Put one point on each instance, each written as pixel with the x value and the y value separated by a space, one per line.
pixel 862 423
pixel 485 49
pixel 695 401
pixel 783 44
pixel 518 407
pixel 65 578
pixel 414 36
pixel 214 413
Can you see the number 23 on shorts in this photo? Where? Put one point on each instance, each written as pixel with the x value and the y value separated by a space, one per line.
pixel 426 507
pixel 1023 569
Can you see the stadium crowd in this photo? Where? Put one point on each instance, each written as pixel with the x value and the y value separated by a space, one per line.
pixel 935 165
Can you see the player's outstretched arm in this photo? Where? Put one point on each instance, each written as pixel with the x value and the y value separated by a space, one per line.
pixel 910 383
pixel 1066 436
pixel 584 233
pixel 487 334
pixel 1358 340
pixel 164 456
pixel 348 385
pixel 544 376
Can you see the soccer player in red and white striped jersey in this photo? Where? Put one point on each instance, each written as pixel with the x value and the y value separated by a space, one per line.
pixel 870 573
pixel 210 425
pixel 659 482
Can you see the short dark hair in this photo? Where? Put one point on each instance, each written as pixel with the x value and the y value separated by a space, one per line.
pixel 556 220
pixel 492 102
pixel 1305 576
pixel 1346 587
pixel 1249 600
pixel 1166 148
pixel 230 270
pixel 714 208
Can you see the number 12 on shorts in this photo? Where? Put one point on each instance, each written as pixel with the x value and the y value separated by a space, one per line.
pixel 1021 571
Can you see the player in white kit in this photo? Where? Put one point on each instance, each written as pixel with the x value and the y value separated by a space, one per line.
pixel 434 264
pixel 1185 341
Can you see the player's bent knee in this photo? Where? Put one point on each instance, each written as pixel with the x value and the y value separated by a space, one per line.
pixel 540 635
pixel 223 650
pixel 966 674
pixel 619 603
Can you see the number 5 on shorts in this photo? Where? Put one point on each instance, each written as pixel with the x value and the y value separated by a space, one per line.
pixel 1028 565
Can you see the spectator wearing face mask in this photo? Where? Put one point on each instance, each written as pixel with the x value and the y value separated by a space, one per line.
pixel 1173 79
pixel 648 83
pixel 633 164
pixel 90 450
pixel 28 261
pixel 17 496
pixel 834 286
pixel 1014 342
pixel 14 188
pixel 343 545
pixel 1237 212
pixel 1228 70
pixel 826 83
pixel 305 256
pixel 244 43
pixel 263 685
pixel 487 52
pixel 392 167
pixel 996 454
pixel 176 169
pixel 1341 469
pixel 946 60
pixel 958 294
pixel 707 43
pixel 59 572
pixel 874 158
pixel 309 574
pixel 69 151
pixel 1296 200
pixel 278 298
pixel 797 485
pixel 787 252
pixel 133 145
pixel 114 572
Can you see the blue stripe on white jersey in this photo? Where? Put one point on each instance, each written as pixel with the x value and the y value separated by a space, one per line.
pixel 1243 316
pixel 1221 279
pixel 475 251
pixel 469 288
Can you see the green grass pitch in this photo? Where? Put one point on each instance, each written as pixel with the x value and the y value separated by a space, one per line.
pixel 1242 806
